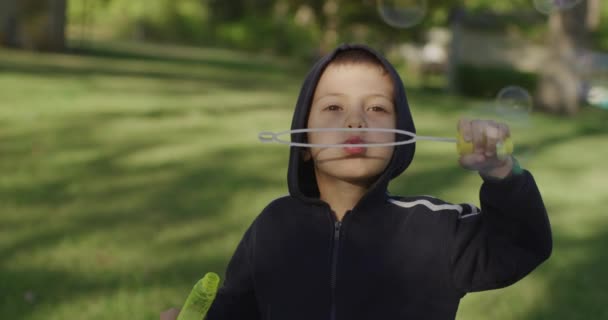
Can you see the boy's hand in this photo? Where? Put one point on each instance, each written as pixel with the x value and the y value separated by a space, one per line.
pixel 170 314
pixel 485 135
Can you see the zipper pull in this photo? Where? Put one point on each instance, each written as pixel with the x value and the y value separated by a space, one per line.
pixel 337 226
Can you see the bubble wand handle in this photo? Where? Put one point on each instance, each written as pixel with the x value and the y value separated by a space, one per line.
pixel 464 147
pixel 503 149
pixel 200 299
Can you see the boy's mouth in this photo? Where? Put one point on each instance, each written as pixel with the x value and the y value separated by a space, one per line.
pixel 355 149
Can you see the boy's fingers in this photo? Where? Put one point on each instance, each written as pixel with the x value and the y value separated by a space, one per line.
pixel 504 131
pixel 478 136
pixel 492 136
pixel 464 127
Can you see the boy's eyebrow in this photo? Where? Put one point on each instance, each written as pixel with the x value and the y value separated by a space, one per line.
pixel 328 95
pixel 381 95
pixel 332 94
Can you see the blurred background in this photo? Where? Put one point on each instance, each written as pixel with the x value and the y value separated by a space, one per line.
pixel 129 159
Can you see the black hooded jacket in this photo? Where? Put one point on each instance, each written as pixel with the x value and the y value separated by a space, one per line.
pixel 390 257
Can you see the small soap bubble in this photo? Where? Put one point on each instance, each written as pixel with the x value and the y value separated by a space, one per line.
pixel 29 296
pixel 402 13
pixel 514 105
pixel 550 6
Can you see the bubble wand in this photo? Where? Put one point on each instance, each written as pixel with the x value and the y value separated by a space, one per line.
pixel 200 298
pixel 463 147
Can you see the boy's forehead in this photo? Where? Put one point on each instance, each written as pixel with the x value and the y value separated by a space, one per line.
pixel 338 77
pixel 354 66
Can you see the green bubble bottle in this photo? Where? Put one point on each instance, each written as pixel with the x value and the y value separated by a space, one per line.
pixel 200 299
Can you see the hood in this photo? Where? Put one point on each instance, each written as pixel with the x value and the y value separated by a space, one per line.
pixel 300 175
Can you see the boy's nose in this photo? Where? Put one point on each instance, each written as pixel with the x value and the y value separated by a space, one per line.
pixel 355 121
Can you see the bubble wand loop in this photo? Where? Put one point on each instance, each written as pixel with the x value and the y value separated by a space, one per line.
pixel 462 147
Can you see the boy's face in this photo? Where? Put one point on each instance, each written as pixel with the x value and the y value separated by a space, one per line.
pixel 352 96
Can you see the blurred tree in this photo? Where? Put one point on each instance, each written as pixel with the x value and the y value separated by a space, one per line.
pixel 33 24
pixel 357 21
pixel 561 80
pixel 230 11
pixel 8 23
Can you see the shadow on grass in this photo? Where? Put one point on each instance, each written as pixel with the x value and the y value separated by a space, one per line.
pixel 576 287
pixel 242 81
pixel 209 71
pixel 239 65
pixel 32 290
pixel 104 196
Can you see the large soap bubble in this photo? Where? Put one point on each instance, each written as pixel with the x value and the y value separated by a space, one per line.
pixel 550 6
pixel 514 105
pixel 402 13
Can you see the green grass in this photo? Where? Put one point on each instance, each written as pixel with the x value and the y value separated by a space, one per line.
pixel 129 171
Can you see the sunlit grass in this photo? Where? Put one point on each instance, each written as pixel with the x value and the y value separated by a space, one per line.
pixel 130 171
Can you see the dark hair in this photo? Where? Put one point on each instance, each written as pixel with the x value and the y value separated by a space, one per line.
pixel 357 56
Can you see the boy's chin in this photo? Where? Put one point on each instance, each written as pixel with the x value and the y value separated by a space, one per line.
pixel 366 181
pixel 359 178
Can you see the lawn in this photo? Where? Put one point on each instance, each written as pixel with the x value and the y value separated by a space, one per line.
pixel 129 171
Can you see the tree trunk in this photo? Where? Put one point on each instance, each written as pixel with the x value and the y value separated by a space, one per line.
pixel 8 23
pixel 594 13
pixel 57 16
pixel 560 82
pixel 455 21
pixel 33 24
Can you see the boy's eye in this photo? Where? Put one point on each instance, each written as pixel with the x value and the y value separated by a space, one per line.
pixel 333 107
pixel 377 109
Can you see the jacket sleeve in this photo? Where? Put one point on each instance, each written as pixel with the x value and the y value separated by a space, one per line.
pixel 504 241
pixel 236 297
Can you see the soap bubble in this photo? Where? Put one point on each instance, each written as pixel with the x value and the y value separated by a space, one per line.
pixel 402 13
pixel 514 105
pixel 550 6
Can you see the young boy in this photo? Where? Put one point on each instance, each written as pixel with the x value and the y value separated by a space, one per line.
pixel 339 247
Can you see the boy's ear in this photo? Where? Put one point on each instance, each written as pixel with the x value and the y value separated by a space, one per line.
pixel 305 154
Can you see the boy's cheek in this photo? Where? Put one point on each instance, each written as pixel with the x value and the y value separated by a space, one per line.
pixel 327 120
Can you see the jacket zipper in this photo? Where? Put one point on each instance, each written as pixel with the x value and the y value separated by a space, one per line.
pixel 334 267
